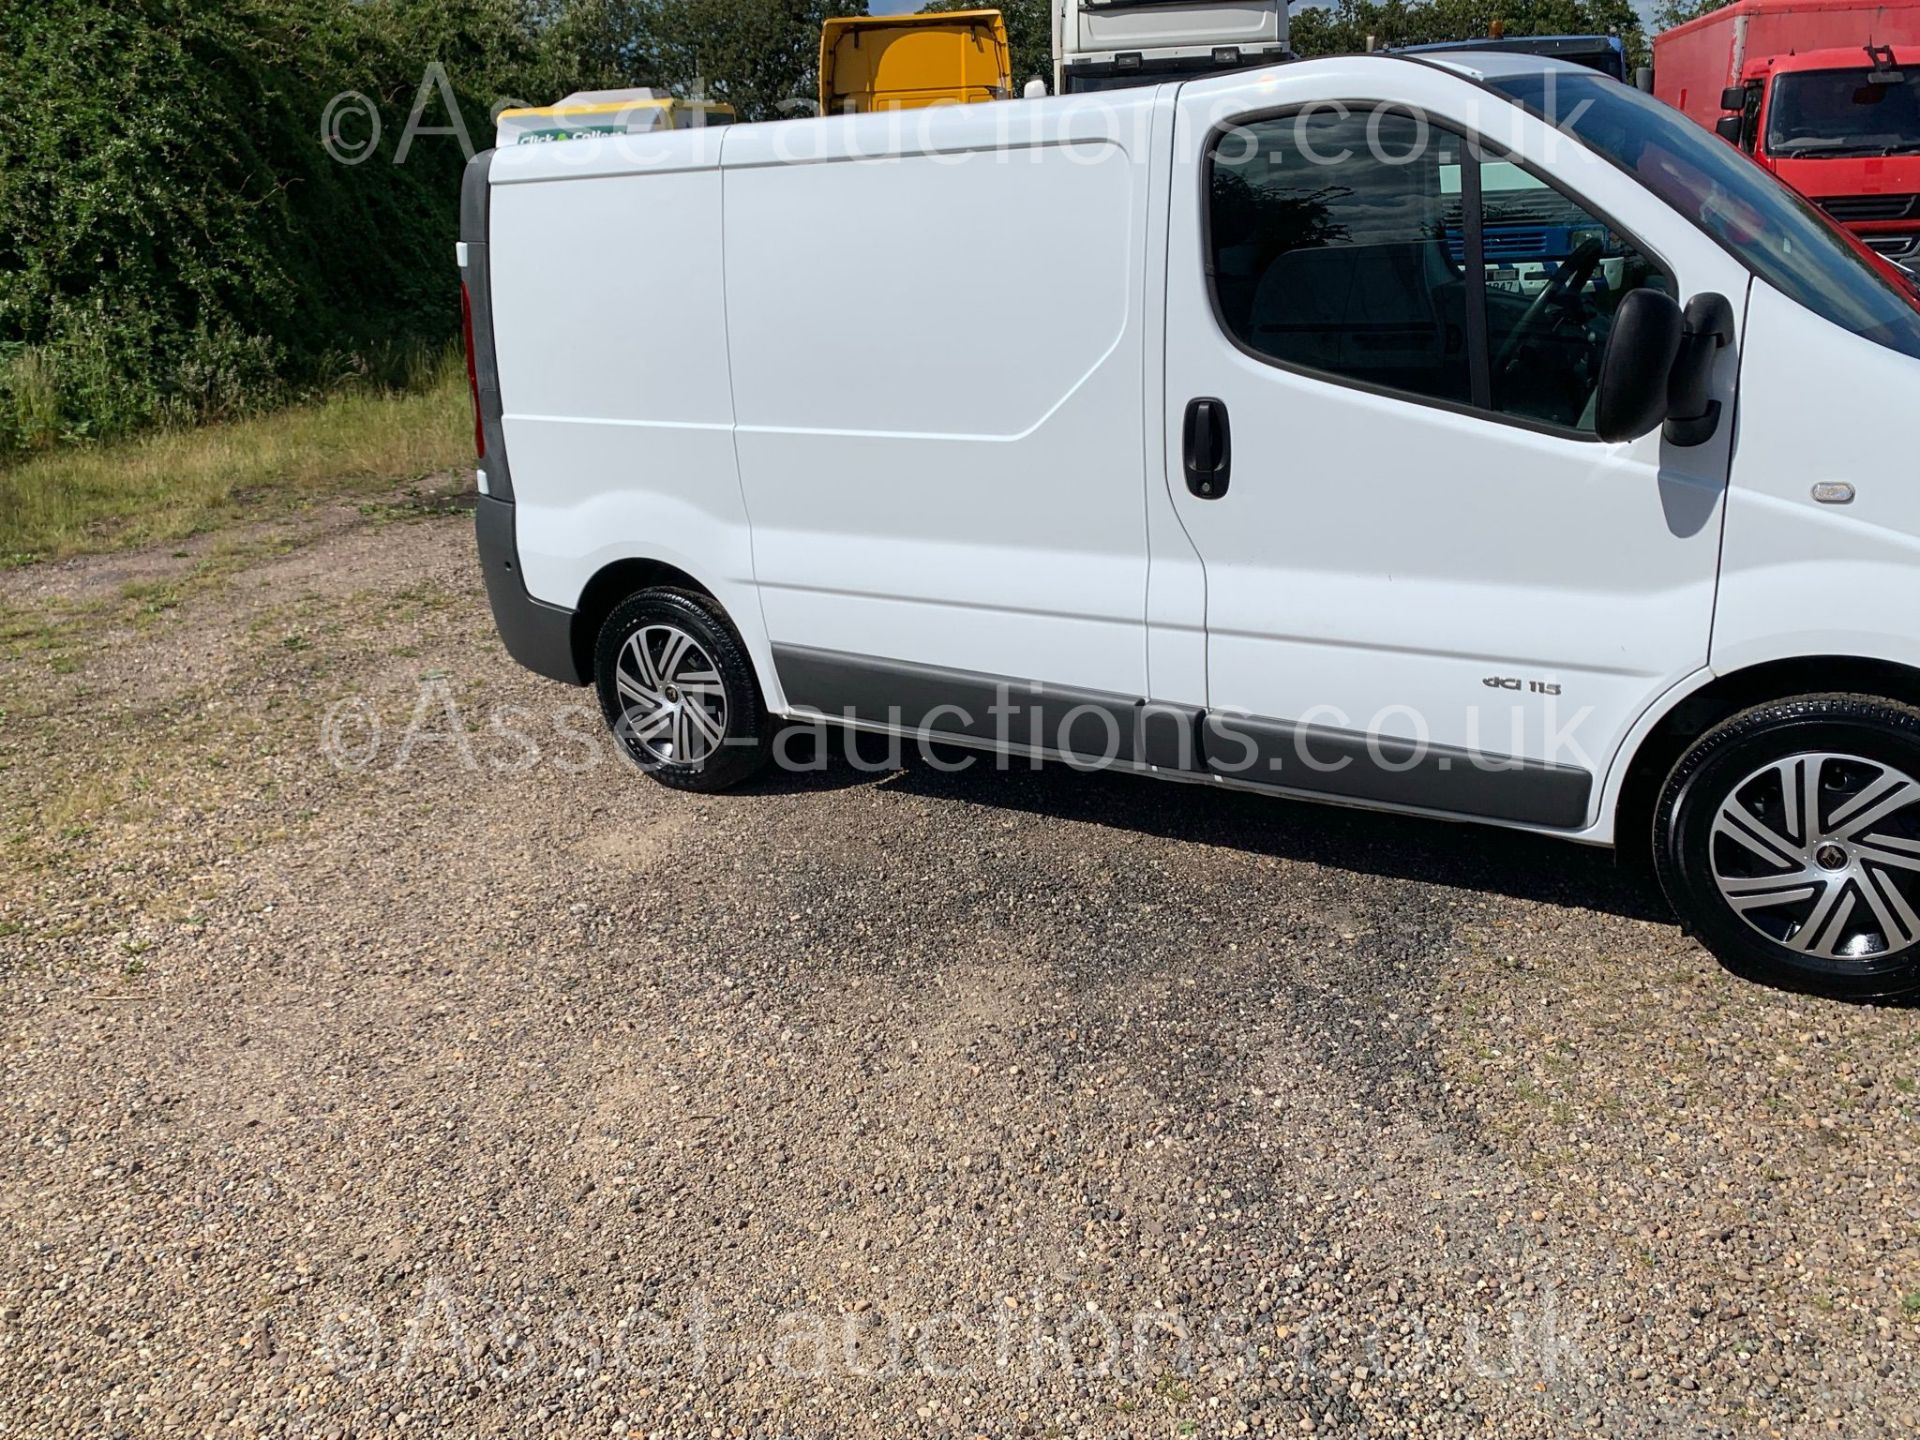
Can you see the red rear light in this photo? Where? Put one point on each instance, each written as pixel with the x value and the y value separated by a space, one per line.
pixel 473 374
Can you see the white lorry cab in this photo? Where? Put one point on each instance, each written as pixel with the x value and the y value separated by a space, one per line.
pixel 1115 44
pixel 1270 474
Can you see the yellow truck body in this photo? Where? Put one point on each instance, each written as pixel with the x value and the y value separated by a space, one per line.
pixel 606 112
pixel 903 62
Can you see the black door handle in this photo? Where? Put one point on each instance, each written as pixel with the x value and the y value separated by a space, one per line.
pixel 1208 444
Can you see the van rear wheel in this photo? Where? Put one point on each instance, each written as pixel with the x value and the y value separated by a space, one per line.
pixel 679 693
pixel 1789 839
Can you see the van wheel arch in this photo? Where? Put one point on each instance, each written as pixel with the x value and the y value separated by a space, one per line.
pixel 612 584
pixel 1726 695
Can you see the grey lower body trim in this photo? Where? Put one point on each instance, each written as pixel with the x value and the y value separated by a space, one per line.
pixel 538 635
pixel 1087 726
pixel 1027 716
pixel 1384 770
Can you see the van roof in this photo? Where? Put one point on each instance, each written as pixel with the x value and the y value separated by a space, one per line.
pixel 957 127
pixel 1499 64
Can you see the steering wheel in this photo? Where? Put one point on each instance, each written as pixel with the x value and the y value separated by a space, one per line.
pixel 1569 279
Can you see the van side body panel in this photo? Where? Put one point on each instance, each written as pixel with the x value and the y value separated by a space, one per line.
pixel 937 322
pixel 536 634
pixel 1438 573
pixel 613 366
pixel 1799 577
pixel 1176 580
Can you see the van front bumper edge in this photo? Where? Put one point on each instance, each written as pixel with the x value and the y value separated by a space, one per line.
pixel 538 635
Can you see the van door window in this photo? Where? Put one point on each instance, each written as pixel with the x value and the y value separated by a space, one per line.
pixel 1377 249
pixel 1330 251
pixel 1555 275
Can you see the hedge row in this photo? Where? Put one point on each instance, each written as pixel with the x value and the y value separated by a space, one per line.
pixel 175 241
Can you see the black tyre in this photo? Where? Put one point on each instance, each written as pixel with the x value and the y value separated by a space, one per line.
pixel 1788 838
pixel 679 693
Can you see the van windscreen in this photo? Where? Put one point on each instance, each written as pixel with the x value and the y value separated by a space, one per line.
pixel 1777 235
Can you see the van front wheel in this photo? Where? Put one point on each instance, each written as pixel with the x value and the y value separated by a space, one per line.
pixel 679 693
pixel 1789 838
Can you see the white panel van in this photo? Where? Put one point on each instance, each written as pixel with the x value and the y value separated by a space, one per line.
pixel 1476 439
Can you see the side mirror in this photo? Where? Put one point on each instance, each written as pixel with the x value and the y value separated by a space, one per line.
pixel 1727 127
pixel 1734 97
pixel 1707 329
pixel 1637 367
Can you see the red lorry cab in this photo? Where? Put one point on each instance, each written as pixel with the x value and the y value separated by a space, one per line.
pixel 1824 93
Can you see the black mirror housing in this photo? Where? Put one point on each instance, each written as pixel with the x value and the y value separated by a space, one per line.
pixel 1734 97
pixel 1637 368
pixel 1727 127
pixel 1706 329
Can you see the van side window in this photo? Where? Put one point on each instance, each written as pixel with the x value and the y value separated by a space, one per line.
pixel 1330 250
pixel 1555 275
pixel 1379 249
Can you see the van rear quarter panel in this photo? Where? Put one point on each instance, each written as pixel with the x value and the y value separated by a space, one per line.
pixel 936 323
pixel 609 323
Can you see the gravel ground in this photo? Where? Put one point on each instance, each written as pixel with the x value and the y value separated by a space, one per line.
pixel 380 1058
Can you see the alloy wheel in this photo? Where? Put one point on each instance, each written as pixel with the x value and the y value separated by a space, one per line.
pixel 673 702
pixel 1821 853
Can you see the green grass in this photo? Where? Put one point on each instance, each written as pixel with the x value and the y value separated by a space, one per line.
pixel 173 484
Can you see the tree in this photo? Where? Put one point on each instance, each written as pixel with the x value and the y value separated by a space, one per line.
pixel 760 56
pixel 177 241
pixel 1669 13
pixel 1346 26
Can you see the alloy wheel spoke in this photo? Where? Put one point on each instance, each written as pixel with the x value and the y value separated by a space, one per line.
pixel 1799 778
pixel 1892 791
pixel 1765 884
pixel 1809 826
pixel 636 692
pixel 1873 848
pixel 1807 937
pixel 708 727
pixel 1767 899
pixel 671 655
pixel 1898 923
pixel 649 726
pixel 642 661
pixel 1740 824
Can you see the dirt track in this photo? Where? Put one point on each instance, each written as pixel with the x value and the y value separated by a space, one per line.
pixel 477 1087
